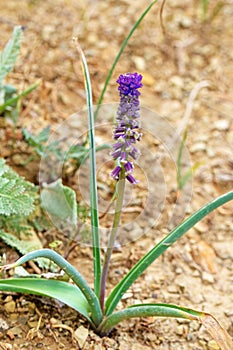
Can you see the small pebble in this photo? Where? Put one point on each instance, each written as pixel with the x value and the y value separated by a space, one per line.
pixel 109 342
pixel 178 270
pixel 140 63
pixel 222 125
pixel 198 147
pixel 97 347
pixel 148 80
pixel 185 22
pixel 7 346
pixel 196 273
pixel 10 306
pixel 201 227
pixel 33 324
pixel 180 329
pixel 3 325
pixel 139 347
pixel 207 277
pixel 15 331
pixel 213 345
pixel 194 325
pixel 177 81
pixel 172 289
pixel 81 335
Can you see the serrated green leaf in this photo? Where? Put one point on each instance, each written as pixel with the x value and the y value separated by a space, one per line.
pixel 60 203
pixel 16 194
pixel 2 166
pixel 43 135
pixel 13 198
pixel 27 246
pixel 16 224
pixel 29 187
pixel 29 137
pixel 77 152
pixel 10 101
pixel 2 96
pixel 41 146
pixel 36 140
pixel 9 89
pixel 62 291
pixel 10 53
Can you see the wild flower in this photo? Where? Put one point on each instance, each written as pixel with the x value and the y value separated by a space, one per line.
pixel 99 311
pixel 126 132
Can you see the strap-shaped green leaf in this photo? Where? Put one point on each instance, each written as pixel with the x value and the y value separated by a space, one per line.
pixel 163 245
pixel 93 180
pixel 77 278
pixel 62 291
pixel 219 334
pixel 144 310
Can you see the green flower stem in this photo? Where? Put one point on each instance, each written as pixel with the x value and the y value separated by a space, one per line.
pixel 77 278
pixel 115 226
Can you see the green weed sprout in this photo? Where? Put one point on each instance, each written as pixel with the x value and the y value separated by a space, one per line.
pixel 99 311
pixel 9 96
pixel 182 179
pixel 41 145
pixel 215 11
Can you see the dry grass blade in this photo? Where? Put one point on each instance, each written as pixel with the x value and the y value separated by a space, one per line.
pixel 218 333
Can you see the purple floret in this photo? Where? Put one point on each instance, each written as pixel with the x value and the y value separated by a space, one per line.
pixel 116 172
pixel 131 179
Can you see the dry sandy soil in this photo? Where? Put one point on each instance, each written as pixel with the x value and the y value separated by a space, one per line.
pixel 187 80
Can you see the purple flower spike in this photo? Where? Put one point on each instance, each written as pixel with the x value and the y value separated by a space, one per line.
pixel 126 128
